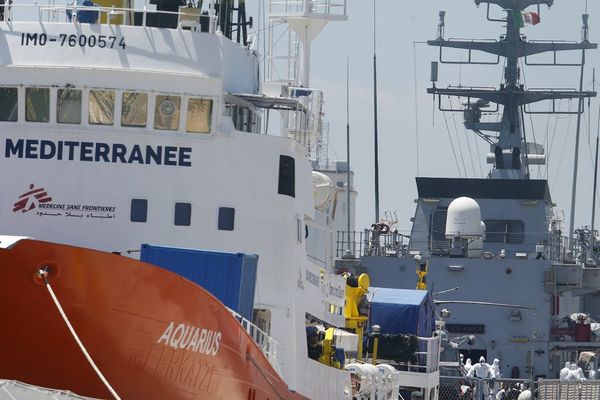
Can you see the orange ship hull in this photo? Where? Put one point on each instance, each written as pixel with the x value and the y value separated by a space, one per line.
pixel 152 333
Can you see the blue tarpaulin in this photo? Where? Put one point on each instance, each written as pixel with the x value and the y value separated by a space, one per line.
pixel 400 311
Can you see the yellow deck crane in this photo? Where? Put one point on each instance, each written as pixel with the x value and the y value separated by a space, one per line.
pixel 356 288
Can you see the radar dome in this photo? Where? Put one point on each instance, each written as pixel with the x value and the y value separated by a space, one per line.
pixel 463 219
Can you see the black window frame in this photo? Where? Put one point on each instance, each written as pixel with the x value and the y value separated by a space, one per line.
pixel 8 94
pixel 504 231
pixel 182 215
pixel 137 214
pixel 226 219
pixel 287 176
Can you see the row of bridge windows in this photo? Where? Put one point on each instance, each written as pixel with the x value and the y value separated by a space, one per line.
pixel 182 214
pixel 103 106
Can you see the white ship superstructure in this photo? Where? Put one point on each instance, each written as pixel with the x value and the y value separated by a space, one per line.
pixel 120 134
pixel 138 123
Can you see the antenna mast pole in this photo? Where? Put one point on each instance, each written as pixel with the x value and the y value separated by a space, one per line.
pixel 579 112
pixel 593 236
pixel 348 149
pixel 375 115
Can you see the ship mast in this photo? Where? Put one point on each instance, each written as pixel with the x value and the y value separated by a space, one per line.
pixel 512 155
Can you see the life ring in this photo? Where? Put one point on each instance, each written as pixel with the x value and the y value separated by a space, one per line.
pixel 382 228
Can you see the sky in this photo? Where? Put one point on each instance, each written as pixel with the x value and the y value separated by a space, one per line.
pixel 416 141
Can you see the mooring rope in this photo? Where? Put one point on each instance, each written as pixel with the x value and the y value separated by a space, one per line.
pixel 43 273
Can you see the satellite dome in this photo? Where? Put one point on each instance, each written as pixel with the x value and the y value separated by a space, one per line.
pixel 463 219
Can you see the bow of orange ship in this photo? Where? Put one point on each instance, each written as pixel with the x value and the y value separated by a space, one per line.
pixel 151 333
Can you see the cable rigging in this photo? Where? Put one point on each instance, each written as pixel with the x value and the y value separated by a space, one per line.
pixel 564 148
pixel 458 139
pixel 452 145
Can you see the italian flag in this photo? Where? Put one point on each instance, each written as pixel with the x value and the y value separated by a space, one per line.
pixel 522 18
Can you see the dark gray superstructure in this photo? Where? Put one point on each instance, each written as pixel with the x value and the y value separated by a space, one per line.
pixel 525 259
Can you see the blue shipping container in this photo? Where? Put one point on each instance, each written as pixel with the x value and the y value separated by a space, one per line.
pixel 230 277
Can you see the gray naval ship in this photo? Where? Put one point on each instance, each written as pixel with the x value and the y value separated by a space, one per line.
pixel 498 240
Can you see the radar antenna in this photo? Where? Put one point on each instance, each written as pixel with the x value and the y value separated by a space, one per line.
pixel 510 154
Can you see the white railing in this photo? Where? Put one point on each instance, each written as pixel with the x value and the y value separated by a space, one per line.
pixel 432 357
pixel 268 345
pixel 304 7
pixel 69 13
pixel 306 126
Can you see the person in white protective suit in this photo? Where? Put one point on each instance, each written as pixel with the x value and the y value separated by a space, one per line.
pixel 481 370
pixel 564 373
pixel 468 365
pixel 496 375
pixel 581 374
pixel 574 373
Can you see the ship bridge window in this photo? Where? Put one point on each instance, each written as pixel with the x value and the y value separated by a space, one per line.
pixel 37 104
pixel 68 106
pixel 183 214
pixel 501 231
pixel 226 218
pixel 8 104
pixel 135 109
pixel 438 243
pixel 139 210
pixel 287 176
pixel 166 112
pixel 244 119
pixel 199 115
pixel 101 107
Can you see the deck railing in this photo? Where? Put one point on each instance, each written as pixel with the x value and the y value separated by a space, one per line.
pixel 303 7
pixel 371 243
pixel 461 387
pixel 268 345
pixel 187 17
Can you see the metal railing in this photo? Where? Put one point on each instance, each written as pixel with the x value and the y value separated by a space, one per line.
pixel 111 15
pixel 556 248
pixel 427 356
pixel 305 126
pixel 463 388
pixel 268 345
pixel 554 389
pixel 319 7
pixel 585 248
pixel 372 243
